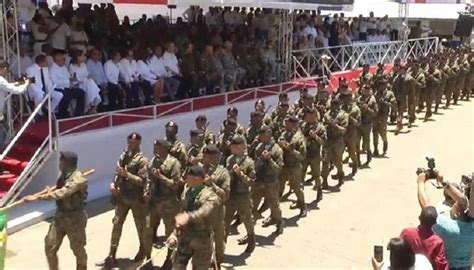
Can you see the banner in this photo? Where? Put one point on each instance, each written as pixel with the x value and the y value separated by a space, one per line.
pixel 149 2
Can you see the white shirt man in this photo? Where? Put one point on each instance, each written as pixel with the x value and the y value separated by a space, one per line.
pixel 128 70
pixel 97 72
pixel 42 83
pixel 310 30
pixel 171 64
pixel 5 88
pixel 112 72
pixel 60 76
pixel 60 36
pixel 210 19
pixel 157 66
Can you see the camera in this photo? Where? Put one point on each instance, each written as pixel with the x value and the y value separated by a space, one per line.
pixel 466 179
pixel 431 171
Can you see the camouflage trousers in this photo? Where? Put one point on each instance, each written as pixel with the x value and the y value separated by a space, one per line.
pixel 401 107
pixel 293 174
pixel 165 210
pixel 140 212
pixel 351 142
pixel 72 225
pixel 379 129
pixel 219 232
pixel 271 193
pixel 458 87
pixel 439 93
pixel 429 97
pixel 364 136
pixel 194 246
pixel 243 206
pixel 315 164
pixel 448 92
pixel 411 101
pixel 333 154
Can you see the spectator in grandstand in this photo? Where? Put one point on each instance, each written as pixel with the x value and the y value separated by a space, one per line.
pixel 61 32
pixel 81 75
pixel 97 73
pixel 130 79
pixel 233 71
pixel 310 29
pixel 151 83
pixel 41 84
pixel 40 32
pixel 173 73
pixel 363 24
pixel 67 85
pixel 402 257
pixel 78 39
pixel 456 231
pixel 19 68
pixel 271 68
pixel 189 70
pixel 115 91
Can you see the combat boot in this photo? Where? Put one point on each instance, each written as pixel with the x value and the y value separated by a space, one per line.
pixel 354 170
pixel 139 256
pixel 319 194
pixel 244 240
pixel 369 157
pixel 148 265
pixel 436 108
pixel 279 227
pixel 109 262
pixel 325 183
pixel 294 205
pixel 376 151
pixel 269 221
pixel 167 264
pixel 303 211
pixel 341 180
pixel 250 243
pixel 385 147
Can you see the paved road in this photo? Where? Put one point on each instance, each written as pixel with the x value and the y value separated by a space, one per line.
pixel 376 206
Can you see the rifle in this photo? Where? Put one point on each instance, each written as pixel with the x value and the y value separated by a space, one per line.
pixel 46 190
pixel 118 179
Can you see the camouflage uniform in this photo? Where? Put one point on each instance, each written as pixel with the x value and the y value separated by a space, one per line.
pixel 240 200
pixel 415 99
pixel 70 219
pixel 368 109
pixel 209 137
pixel 386 100
pixel 334 147
pixel 452 83
pixel 445 71
pixel 211 72
pixel 233 72
pixel 292 170
pixel 433 80
pixel 221 185
pixel 465 70
pixel 194 151
pixel 194 239
pixel 351 137
pixel 365 78
pixel 178 151
pixel 313 151
pixel 132 192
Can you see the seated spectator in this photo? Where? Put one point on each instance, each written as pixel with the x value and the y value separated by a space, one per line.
pixel 456 231
pixel 97 73
pixel 270 64
pixel 189 71
pixel 130 79
pixel 211 72
pixel 80 74
pixel 402 257
pixel 173 73
pixel 151 83
pixel 157 66
pixel 112 73
pixel 422 239
pixel 63 82
pixel 233 71
pixel 41 84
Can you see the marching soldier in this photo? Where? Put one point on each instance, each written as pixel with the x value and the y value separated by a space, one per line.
pixel 445 71
pixel 202 124
pixel 379 75
pixel 70 219
pixel 307 102
pixel 278 121
pixel 460 71
pixel 365 77
pixel 419 90
pixel 242 174
pixel 164 182
pixel 293 145
pixel 192 236
pixel 343 85
pixel 223 142
pixel 452 81
pixel 336 122
pixel 299 104
pixel 218 178
pixel 260 107
pixel 315 134
pixel 268 158
pixel 391 78
pixel 465 70
pixel 129 192
pixel 385 100
pixel 178 149
pixel 403 89
pixel 233 112
pixel 256 121
pixel 368 109
pixel 194 149
pixel 211 72
pixel 283 98
pixel 351 137
pixel 433 80
pixel 322 100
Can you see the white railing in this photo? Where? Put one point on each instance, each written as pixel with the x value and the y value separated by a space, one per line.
pixel 342 58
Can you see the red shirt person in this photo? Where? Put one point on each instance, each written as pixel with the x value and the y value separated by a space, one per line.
pixel 422 240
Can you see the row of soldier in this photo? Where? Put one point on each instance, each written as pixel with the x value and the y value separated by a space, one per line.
pixel 198 190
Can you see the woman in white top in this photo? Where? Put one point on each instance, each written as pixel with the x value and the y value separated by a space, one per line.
pixel 40 33
pixel 151 80
pixel 78 39
pixel 79 72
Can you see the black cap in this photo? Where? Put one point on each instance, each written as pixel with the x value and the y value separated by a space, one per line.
pixel 211 150
pixel 264 129
pixel 201 117
pixel 233 110
pixel 134 136
pixel 171 124
pixel 197 170
pixel 162 142
pixel 196 132
pixel 257 114
pixel 69 156
pixel 292 119
pixel 237 140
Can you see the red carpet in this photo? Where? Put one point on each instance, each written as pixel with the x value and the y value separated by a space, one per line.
pixel 19 156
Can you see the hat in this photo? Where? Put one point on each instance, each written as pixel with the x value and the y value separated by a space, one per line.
pixel 237 140
pixel 366 66
pixel 201 117
pixel 196 132
pixel 162 142
pixel 342 81
pixel 233 110
pixel 69 156
pixel 134 136
pixel 264 129
pixel 211 150
pixel 197 170
pixel 171 124
pixel 292 119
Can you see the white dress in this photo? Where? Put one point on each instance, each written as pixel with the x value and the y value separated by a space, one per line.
pixel 85 83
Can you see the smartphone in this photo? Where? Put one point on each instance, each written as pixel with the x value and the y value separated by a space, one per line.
pixel 378 253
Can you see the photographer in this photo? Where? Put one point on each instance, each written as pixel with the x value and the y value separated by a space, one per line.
pixel 457 232
pixel 6 87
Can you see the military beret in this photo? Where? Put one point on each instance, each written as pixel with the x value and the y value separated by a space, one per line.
pixel 260 101
pixel 304 90
pixel 134 136
pixel 342 80
pixel 237 140
pixel 292 119
pixel 171 124
pixel 69 156
pixel 201 117
pixel 162 142
pixel 211 150
pixel 307 96
pixel 264 129
pixel 380 65
pixel 196 132
pixel 197 170
pixel 257 114
pixel 232 110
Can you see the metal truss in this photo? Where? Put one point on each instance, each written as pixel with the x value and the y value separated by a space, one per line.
pixel 285 42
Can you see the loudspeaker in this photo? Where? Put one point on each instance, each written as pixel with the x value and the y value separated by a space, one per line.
pixel 464 25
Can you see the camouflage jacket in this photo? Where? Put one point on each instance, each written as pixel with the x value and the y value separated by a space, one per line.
pixel 220 181
pixel 314 144
pixel 132 186
pixel 354 116
pixel 268 171
pixel 368 112
pixel 385 100
pixel 70 193
pixel 178 150
pixel 240 184
pixel 337 131
pixel 165 188
pixel 296 152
